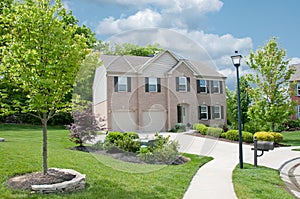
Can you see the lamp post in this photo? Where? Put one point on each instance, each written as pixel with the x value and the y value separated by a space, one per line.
pixel 236 60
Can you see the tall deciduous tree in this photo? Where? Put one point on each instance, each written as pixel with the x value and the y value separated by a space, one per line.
pixel 271 94
pixel 42 57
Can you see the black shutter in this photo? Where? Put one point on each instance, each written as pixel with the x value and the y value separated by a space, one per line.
pixel 147 84
pixel 188 84
pixel 177 83
pixel 158 85
pixel 207 85
pixel 198 86
pixel 199 112
pixel 209 112
pixel 128 84
pixel 222 112
pixel 221 87
pixel 116 84
pixel 179 114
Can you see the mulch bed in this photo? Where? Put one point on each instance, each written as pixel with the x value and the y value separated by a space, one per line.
pixel 25 181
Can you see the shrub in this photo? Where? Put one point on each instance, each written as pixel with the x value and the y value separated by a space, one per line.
pixel 247 136
pixel 215 132
pixel 277 137
pixel 179 127
pixel 264 136
pixel 232 135
pixel 123 141
pixel 201 128
pixel 84 128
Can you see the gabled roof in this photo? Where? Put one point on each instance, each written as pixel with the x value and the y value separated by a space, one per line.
pixel 167 60
pixel 296 75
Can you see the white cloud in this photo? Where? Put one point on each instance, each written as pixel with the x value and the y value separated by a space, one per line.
pixel 295 60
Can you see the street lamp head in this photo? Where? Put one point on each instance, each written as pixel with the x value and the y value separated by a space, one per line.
pixel 236 60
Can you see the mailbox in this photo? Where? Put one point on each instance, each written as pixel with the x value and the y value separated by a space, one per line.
pixel 265 146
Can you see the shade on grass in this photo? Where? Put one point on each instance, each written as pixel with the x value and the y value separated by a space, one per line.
pixel 22 153
pixel 260 182
pixel 291 138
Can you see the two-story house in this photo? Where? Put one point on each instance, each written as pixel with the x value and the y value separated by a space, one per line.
pixel 296 97
pixel 149 94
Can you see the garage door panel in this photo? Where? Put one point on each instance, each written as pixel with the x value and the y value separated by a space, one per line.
pixel 153 121
pixel 123 121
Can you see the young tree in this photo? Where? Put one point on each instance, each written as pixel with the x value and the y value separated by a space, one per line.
pixel 271 96
pixel 41 58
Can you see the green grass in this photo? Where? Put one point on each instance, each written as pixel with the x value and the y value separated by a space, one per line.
pixel 291 138
pixel 260 182
pixel 106 177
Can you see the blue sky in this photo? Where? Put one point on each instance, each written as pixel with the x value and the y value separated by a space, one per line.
pixel 212 28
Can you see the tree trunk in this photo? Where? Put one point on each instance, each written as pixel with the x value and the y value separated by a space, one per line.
pixel 273 126
pixel 45 151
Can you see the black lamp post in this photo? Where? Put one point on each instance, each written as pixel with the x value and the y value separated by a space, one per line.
pixel 236 60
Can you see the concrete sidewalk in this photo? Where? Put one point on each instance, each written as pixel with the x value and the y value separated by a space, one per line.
pixel 214 179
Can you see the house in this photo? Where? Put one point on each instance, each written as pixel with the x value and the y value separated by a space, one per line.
pixel 150 94
pixel 296 97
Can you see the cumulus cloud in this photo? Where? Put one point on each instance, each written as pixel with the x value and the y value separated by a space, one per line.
pixel 295 60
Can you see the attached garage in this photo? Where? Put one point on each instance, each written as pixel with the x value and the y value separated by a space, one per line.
pixel 153 120
pixel 124 121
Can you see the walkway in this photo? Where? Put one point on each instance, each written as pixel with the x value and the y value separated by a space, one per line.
pixel 214 179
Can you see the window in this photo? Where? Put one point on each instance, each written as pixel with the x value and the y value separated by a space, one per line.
pixel 182 84
pixel 152 84
pixel 298 89
pixel 216 112
pixel 203 112
pixel 215 86
pixel 201 86
pixel 122 84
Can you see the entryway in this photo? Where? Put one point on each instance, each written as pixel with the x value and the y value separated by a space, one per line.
pixel 183 113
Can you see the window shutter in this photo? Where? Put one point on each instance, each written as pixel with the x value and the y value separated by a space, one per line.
pixel 209 112
pixel 198 86
pixel 116 84
pixel 188 84
pixel 199 112
pixel 147 84
pixel 213 112
pixel 128 84
pixel 212 86
pixel 177 83
pixel 158 85
pixel 222 112
pixel 207 85
pixel 221 87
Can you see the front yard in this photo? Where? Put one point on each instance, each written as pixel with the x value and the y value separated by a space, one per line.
pixel 22 153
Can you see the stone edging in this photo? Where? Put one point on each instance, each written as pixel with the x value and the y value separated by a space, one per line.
pixel 75 184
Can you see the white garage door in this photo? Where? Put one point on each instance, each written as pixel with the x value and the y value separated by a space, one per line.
pixel 153 121
pixel 123 121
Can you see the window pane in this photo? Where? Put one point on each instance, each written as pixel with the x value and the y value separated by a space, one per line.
pixel 215 86
pixel 202 83
pixel 217 114
pixel 152 84
pixel 152 88
pixel 182 88
pixel 122 88
pixel 182 80
pixel 152 80
pixel 122 80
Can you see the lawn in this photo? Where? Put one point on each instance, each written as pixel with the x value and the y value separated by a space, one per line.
pixel 291 138
pixel 106 177
pixel 260 182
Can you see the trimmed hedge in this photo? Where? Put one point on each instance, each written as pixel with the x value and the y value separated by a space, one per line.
pixel 234 135
pixel 201 128
pixel 268 136
pixel 215 132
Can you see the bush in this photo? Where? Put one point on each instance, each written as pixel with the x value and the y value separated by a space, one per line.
pixel 123 141
pixel 179 127
pixel 247 136
pixel 264 136
pixel 84 128
pixel 215 132
pixel 277 137
pixel 201 128
pixel 234 135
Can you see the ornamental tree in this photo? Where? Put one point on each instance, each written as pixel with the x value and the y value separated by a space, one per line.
pixel 270 94
pixel 41 58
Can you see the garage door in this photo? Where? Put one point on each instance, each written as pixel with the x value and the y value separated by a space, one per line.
pixel 123 121
pixel 153 121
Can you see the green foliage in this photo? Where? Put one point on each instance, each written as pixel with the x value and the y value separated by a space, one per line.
pixel 179 127
pixel 132 49
pixel 234 135
pixel 201 128
pixel 164 151
pixel 215 132
pixel 123 141
pixel 269 136
pixel 271 96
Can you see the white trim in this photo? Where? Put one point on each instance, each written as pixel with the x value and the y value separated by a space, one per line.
pixel 206 112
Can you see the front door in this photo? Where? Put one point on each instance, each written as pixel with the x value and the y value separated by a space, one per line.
pixel 183 113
